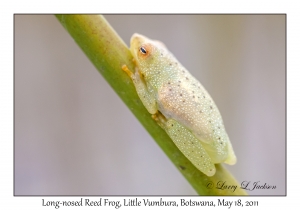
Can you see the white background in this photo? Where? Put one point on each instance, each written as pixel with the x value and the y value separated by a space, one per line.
pixel 6 79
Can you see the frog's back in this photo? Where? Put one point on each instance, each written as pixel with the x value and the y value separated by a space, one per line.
pixel 185 100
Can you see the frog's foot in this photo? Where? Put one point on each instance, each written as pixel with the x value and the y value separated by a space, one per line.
pixel 160 119
pixel 126 69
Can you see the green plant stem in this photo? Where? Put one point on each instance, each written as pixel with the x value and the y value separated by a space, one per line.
pixel 108 53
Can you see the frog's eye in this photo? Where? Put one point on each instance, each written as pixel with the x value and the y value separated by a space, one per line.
pixel 145 50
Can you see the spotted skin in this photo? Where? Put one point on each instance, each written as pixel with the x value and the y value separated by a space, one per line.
pixel 180 105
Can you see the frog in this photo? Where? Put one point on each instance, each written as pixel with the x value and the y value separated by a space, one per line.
pixel 179 104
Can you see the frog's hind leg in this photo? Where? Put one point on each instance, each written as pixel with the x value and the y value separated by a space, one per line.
pixel 190 146
pixel 220 150
pixel 231 159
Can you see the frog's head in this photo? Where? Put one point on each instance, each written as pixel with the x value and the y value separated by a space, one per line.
pixel 146 52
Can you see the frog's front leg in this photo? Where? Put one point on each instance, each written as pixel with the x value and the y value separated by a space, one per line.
pixel 187 143
pixel 141 88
